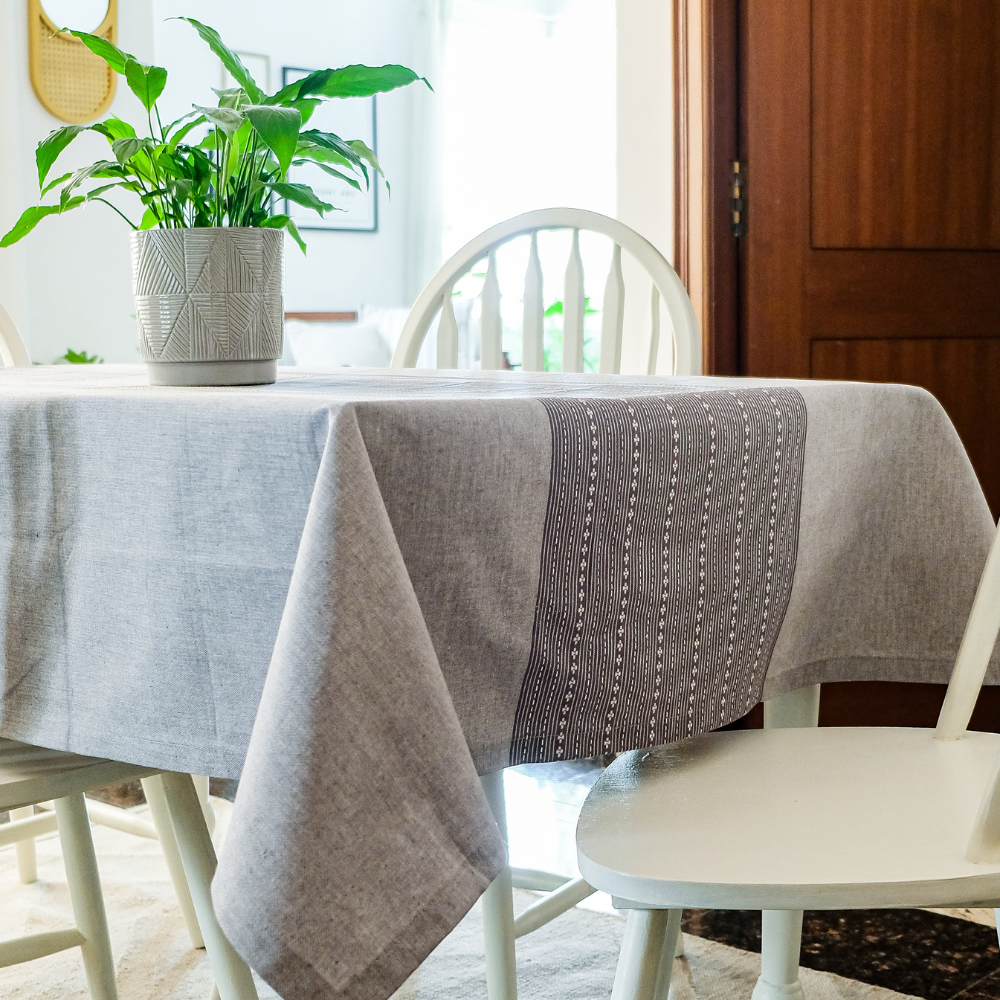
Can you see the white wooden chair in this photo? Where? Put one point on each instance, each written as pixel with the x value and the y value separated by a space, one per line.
pixel 792 818
pixel 12 349
pixel 436 297
pixel 30 775
pixel 500 926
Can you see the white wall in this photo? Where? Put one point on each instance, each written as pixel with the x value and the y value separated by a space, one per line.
pixel 645 156
pixel 67 284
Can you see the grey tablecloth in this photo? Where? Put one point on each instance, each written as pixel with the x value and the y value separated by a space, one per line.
pixel 406 533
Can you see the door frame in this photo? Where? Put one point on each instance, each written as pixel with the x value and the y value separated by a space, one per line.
pixel 707 138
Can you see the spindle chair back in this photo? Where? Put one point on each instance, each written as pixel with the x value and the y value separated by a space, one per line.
pixel 436 297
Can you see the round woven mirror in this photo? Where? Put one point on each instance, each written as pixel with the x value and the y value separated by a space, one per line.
pixel 70 81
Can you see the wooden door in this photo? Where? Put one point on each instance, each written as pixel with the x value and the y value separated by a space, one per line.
pixel 870 130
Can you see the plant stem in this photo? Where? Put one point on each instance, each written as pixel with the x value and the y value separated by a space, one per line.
pixel 164 214
pixel 218 181
pixel 245 180
pixel 108 203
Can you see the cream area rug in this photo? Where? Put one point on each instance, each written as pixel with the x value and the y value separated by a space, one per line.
pixel 573 958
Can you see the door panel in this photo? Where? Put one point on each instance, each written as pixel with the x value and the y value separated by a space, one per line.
pixel 961 373
pixel 906 124
pixel 901 293
pixel 871 133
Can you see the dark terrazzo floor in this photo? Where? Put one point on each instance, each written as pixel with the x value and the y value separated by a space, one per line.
pixel 910 951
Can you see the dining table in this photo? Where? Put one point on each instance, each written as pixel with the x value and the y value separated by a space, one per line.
pixel 359 590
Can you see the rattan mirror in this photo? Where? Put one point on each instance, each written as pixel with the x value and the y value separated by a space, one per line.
pixel 70 81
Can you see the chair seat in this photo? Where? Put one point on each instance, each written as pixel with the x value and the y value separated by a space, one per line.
pixel 30 774
pixel 792 819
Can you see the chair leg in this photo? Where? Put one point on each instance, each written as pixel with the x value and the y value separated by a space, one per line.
pixel 85 893
pixel 201 786
pixel 781 939
pixel 27 864
pixel 160 813
pixel 232 974
pixel 498 910
pixel 647 956
pixel 781 934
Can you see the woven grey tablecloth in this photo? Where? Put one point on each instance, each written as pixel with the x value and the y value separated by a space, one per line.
pixel 420 539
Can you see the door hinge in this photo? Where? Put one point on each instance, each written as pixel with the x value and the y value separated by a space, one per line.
pixel 739 199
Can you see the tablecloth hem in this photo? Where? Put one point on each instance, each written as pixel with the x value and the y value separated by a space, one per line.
pixel 158 754
pixel 910 670
pixel 293 975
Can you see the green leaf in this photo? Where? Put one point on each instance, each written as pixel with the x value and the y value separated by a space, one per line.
pixel 111 54
pixel 231 161
pixel 149 219
pixel 227 119
pixel 48 187
pixel 329 170
pixel 146 82
pixel 366 154
pixel 170 128
pixel 182 189
pixel 287 94
pixel 156 80
pixel 356 81
pixel 81 358
pixel 91 195
pixel 230 97
pixel 175 141
pixel 306 107
pixel 301 194
pixel 279 128
pixel 328 140
pixel 116 128
pixel 32 216
pixel 284 222
pixel 229 59
pixel 125 148
pixel 323 154
pixel 51 146
pixel 97 169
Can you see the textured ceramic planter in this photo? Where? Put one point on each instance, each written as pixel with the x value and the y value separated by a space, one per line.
pixel 208 304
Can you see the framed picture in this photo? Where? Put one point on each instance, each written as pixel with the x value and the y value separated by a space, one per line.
pixel 350 118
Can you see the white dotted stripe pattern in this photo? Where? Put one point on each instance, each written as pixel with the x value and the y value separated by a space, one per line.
pixel 667 560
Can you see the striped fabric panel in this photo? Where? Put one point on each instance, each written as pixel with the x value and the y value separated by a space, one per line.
pixel 667 560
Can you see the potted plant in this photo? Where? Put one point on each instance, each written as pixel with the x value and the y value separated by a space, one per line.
pixel 207 250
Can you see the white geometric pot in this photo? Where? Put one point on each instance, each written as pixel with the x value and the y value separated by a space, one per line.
pixel 208 304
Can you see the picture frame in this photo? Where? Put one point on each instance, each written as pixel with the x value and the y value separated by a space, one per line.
pixel 350 118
